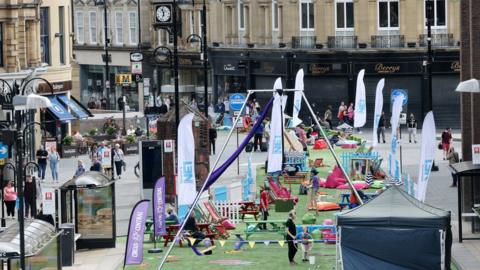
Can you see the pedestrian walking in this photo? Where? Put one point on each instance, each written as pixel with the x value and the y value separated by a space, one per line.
pixel 118 159
pixel 307 243
pixel 80 169
pixel 291 234
pixel 412 128
pixel 340 113
pixel 212 135
pixel 446 141
pixel 54 159
pixel 264 206
pixel 42 155
pixel 327 116
pixel 381 127
pixel 10 198
pixel 453 158
pixel 258 137
pixel 30 195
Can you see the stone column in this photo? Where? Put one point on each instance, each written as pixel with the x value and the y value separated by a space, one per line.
pixel 11 41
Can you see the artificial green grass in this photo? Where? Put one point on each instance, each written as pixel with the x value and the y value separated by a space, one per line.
pixel 260 257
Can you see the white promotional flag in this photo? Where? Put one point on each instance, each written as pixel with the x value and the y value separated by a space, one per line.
pixel 360 113
pixel 275 149
pixel 297 99
pixel 394 121
pixel 186 184
pixel 378 109
pixel 429 144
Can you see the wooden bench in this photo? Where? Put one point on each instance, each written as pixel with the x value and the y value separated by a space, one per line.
pixel 273 226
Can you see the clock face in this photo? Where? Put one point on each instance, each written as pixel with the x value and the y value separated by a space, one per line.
pixel 164 13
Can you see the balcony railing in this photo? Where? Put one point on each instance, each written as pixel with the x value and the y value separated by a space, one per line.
pixel 388 41
pixel 342 42
pixel 307 42
pixel 438 40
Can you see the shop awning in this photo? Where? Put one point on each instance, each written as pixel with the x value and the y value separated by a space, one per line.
pixel 75 107
pixel 58 110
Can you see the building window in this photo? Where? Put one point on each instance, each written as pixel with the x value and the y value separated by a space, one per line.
pixel 306 15
pixel 79 29
pixel 61 34
pixel 132 23
pixel 241 15
pixel 388 14
pixel 92 23
pixel 344 14
pixel 275 15
pixel 439 9
pixel 200 17
pixel 45 35
pixel 119 28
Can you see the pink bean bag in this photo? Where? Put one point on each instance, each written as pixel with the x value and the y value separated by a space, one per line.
pixel 320 144
pixel 335 179
pixel 356 185
pixel 349 146
pixel 228 225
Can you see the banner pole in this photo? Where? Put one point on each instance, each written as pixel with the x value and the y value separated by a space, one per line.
pixel 197 198
pixel 347 177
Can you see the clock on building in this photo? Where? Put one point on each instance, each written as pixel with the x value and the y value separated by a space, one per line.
pixel 163 13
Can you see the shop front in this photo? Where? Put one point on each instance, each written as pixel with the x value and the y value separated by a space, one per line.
pixel 331 78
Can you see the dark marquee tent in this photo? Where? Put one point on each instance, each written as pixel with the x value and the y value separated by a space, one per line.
pixel 394 231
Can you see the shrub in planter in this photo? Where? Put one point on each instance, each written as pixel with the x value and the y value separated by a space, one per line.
pixel 93 131
pixel 67 140
pixel 130 139
pixel 111 131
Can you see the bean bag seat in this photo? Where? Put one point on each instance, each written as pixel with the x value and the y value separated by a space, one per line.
pixel 323 182
pixel 327 206
pixel 377 184
pixel 320 144
pixel 349 146
pixel 335 179
pixel 356 185
pixel 309 218
pixel 228 225
pixel 329 238
pixel 316 234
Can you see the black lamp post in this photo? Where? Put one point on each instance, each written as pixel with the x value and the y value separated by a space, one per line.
pixel 106 82
pixel 175 63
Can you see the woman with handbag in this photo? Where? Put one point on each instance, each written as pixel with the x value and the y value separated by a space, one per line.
pixel 118 157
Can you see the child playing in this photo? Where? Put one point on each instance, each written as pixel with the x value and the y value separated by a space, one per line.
pixel 307 243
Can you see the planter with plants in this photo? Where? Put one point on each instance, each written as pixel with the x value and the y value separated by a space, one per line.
pixel 130 145
pixel 67 148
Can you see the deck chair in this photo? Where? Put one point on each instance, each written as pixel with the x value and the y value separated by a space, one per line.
pixel 280 192
pixel 221 224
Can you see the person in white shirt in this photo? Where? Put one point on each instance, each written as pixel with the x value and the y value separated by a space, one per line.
pixel 131 131
pixel 118 157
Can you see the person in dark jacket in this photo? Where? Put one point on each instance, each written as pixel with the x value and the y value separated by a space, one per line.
pixel 96 166
pixel 191 227
pixel 381 127
pixel 291 235
pixel 30 195
pixel 258 137
pixel 212 134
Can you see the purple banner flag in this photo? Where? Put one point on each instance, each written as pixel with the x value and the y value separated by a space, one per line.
pixel 159 207
pixel 136 228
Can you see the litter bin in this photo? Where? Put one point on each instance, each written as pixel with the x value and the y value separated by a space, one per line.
pixel 67 239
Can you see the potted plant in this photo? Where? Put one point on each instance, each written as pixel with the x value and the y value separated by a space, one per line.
pixel 93 132
pixel 67 149
pixel 111 131
pixel 130 146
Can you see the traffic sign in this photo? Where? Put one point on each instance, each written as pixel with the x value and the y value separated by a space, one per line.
pixel 236 101
pixel 136 67
pixel 138 78
pixel 398 92
pixel 3 151
pixel 136 57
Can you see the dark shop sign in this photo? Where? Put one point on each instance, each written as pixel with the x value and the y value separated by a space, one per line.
pixel 386 68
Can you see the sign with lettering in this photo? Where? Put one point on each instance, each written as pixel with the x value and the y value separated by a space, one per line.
pixel 6 95
pixel 236 101
pixel 48 200
pixel 390 68
pixel 446 67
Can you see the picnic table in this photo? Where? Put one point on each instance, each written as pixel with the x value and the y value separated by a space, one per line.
pixel 202 227
pixel 273 226
pixel 248 208
pixel 149 227
pixel 345 198
pixel 298 178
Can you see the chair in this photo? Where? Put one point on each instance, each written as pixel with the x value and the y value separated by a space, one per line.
pixel 281 192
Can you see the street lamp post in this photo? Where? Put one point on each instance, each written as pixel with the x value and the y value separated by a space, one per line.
pixel 106 82
pixel 429 14
pixel 175 63
pixel 205 57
